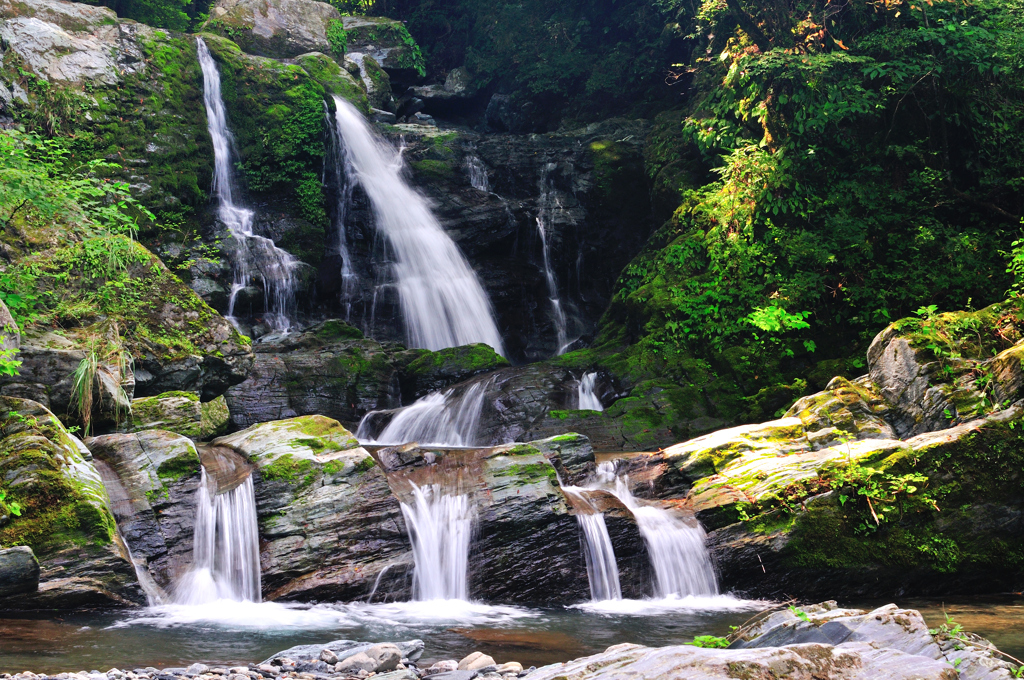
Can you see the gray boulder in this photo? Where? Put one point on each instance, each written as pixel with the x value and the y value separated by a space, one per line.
pixel 19 571
pixel 278 28
pixel 410 649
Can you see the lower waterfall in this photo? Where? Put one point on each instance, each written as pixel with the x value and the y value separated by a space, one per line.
pixel 440 528
pixel 439 419
pixel 226 547
pixel 586 400
pixel 602 571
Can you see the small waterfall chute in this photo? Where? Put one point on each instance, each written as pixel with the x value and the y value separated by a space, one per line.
pixel 586 397
pixel 225 546
pixel 255 256
pixel 442 301
pixel 477 172
pixel 446 418
pixel 602 570
pixel 440 528
pixel 677 549
pixel 548 204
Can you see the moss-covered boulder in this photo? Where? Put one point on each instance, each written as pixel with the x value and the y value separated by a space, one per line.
pixel 65 514
pixel 135 309
pixel 277 28
pixel 215 418
pixel 178 412
pixel 388 43
pixel 329 524
pixel 433 371
pixel 153 479
pixel 335 79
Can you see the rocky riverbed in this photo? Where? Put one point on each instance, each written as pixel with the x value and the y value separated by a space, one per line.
pixel 816 642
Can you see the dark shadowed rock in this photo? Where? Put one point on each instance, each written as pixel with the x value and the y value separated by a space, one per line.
pixel 19 571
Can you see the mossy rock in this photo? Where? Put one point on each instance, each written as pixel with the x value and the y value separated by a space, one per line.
pixel 388 42
pixel 215 418
pixel 178 412
pixel 335 80
pixel 432 371
pixel 275 28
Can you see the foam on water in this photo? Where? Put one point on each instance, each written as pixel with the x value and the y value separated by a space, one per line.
pixel 663 605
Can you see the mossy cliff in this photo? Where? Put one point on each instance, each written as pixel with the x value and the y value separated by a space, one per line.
pixel 902 480
pixel 65 515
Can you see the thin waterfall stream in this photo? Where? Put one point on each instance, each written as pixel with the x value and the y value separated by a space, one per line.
pixel 255 255
pixel 602 570
pixel 442 301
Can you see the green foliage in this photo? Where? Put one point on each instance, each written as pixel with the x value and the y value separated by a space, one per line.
pixel 8 364
pixel 177 15
pixel 8 507
pixel 709 642
pixel 337 38
pixel 799 613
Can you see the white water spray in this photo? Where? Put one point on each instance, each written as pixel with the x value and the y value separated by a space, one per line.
pixel 442 301
pixel 438 419
pixel 679 556
pixel 440 528
pixel 586 398
pixel 255 256
pixel 225 547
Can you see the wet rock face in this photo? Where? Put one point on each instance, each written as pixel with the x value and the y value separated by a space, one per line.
pixel 328 522
pixel 332 370
pixel 155 478
pixel 65 518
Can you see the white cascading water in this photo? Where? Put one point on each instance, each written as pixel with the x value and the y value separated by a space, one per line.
pixel 477 174
pixel 438 419
pixel 225 547
pixel 547 203
pixel 679 556
pixel 255 256
pixel 440 528
pixel 586 398
pixel 602 570
pixel 343 175
pixel 442 301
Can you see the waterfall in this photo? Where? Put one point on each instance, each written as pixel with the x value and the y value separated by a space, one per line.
pixel 440 528
pixel 438 419
pixel 442 301
pixel 587 400
pixel 255 256
pixel 477 174
pixel 343 176
pixel 677 550
pixel 602 571
pixel 546 203
pixel 225 547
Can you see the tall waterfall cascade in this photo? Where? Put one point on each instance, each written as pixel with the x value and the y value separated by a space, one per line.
pixel 678 551
pixel 225 547
pixel 440 528
pixel 442 302
pixel 602 570
pixel 548 204
pixel 585 397
pixel 255 256
pixel 445 418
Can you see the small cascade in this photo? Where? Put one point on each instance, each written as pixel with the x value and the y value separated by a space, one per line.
pixel 602 570
pixel 255 256
pixel 444 418
pixel 442 302
pixel 477 174
pixel 440 528
pixel 586 399
pixel 225 547
pixel 548 203
pixel 677 550
pixel 338 166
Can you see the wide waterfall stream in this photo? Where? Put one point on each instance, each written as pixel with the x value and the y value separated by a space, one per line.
pixel 443 304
